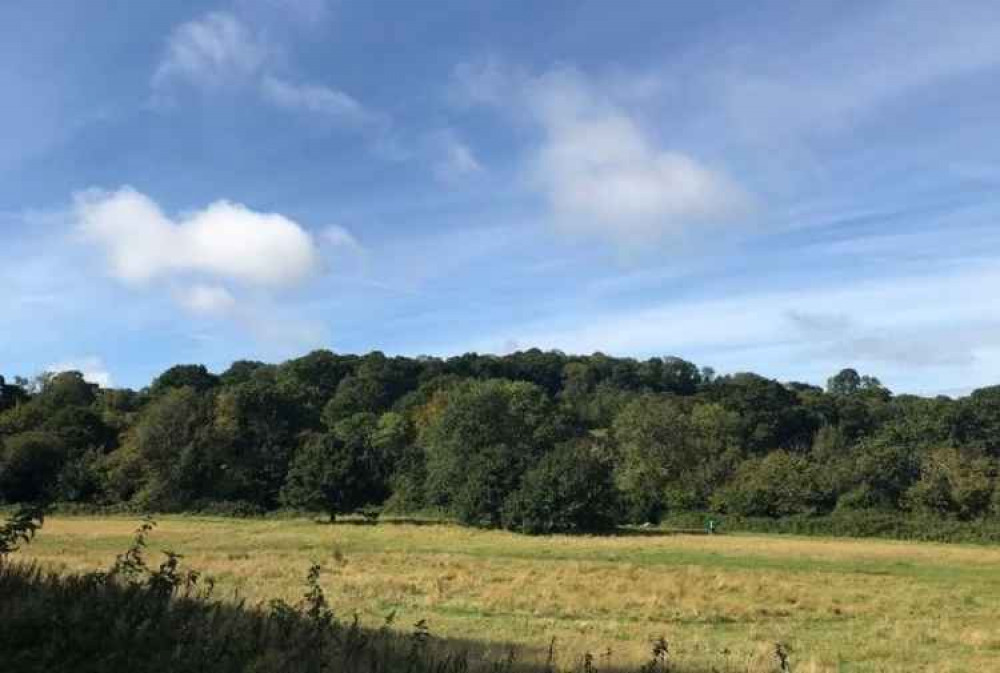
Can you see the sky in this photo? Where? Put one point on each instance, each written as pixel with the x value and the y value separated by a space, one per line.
pixel 785 188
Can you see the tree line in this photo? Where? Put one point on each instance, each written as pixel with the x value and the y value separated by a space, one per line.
pixel 534 441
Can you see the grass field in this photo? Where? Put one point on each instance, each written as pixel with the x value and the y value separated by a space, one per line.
pixel 839 605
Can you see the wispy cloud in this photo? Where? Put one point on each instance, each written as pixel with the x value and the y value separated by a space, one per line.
pixel 599 172
pixel 317 99
pixel 216 50
pixel 900 326
pixel 454 159
pixel 221 51
pixel 866 59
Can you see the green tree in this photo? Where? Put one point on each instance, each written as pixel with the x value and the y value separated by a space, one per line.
pixel 184 376
pixel 169 450
pixel 481 440
pixel 771 415
pixel 652 436
pixel 11 395
pixel 570 490
pixel 242 371
pixel 845 382
pixel 356 395
pixel 257 426
pixel 29 466
pixel 978 420
pixel 878 474
pixel 778 484
pixel 671 454
pixel 337 471
pixel 679 376
pixel 954 482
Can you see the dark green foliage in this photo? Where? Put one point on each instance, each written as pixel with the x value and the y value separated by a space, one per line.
pixel 954 482
pixel 184 376
pixel 11 395
pixel 878 474
pixel 241 371
pixel 669 454
pixel 340 470
pixel 80 428
pixel 570 490
pixel 463 435
pixel 771 415
pixel 978 422
pixel 482 440
pixel 166 460
pixel 20 528
pixel 29 466
pixel 355 395
pixel 66 389
pixel 849 523
pixel 256 429
pixel 779 484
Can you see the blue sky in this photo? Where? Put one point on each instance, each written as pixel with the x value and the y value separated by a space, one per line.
pixel 788 188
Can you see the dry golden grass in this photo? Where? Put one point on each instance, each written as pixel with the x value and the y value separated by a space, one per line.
pixel 839 605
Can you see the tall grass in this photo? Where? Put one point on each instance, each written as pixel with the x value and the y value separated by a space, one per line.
pixel 137 617
pixel 839 605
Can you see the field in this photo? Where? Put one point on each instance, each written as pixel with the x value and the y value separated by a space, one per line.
pixel 838 605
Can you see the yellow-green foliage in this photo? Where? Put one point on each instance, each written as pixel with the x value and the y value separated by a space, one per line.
pixel 839 605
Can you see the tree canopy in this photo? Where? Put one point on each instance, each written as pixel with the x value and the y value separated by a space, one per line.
pixel 538 441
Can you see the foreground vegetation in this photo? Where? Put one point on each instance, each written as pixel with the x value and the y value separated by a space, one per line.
pixel 535 442
pixel 721 602
pixel 138 617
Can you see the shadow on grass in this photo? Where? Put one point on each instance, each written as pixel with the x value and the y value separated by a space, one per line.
pixel 168 621
pixel 625 531
pixel 385 521
pixel 658 532
pixel 137 618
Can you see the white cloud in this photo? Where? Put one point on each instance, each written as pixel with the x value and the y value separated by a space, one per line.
pixel 455 160
pixel 898 327
pixel 322 100
pixel 225 240
pixel 599 172
pixel 215 50
pixel 92 368
pixel 206 299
